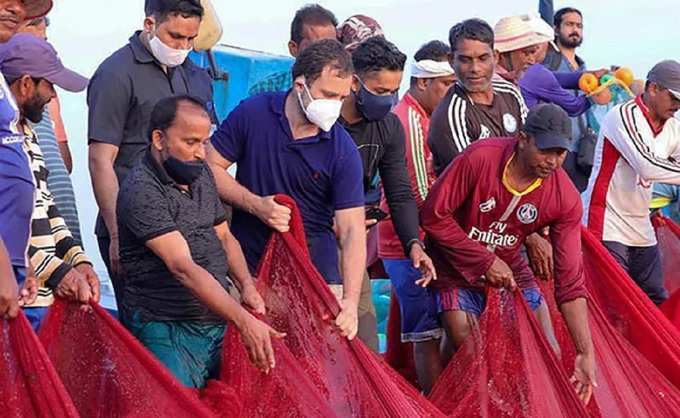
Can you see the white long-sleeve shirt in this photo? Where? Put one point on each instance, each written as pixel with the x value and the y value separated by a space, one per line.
pixel 630 156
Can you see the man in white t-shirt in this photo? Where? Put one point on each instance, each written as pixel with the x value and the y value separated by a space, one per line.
pixel 639 145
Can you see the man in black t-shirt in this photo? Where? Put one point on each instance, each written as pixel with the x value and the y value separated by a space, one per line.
pixel 379 136
pixel 176 248
pixel 480 104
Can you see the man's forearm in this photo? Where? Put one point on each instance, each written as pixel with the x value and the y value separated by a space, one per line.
pixel 353 261
pixel 209 291
pixel 575 313
pixel 66 156
pixel 236 260
pixel 105 186
pixel 233 193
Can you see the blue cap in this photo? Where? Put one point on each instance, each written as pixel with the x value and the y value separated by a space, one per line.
pixel 550 126
pixel 26 54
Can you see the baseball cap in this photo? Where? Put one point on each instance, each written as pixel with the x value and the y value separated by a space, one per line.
pixel 37 8
pixel 550 126
pixel 667 75
pixel 26 54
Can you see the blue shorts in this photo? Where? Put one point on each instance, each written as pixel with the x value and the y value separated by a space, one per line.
pixel 473 300
pixel 418 305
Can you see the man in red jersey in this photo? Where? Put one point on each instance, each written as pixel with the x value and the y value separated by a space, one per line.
pixel 480 211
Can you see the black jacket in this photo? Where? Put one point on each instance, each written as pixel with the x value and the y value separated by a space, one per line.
pixel 381 146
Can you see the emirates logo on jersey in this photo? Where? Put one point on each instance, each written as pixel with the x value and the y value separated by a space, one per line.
pixel 495 236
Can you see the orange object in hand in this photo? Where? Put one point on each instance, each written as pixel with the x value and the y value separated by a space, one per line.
pixel 625 75
pixel 588 83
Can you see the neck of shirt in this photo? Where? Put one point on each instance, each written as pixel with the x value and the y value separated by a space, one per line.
pixel 508 185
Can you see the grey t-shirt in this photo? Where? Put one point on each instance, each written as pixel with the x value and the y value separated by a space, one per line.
pixel 123 92
pixel 150 204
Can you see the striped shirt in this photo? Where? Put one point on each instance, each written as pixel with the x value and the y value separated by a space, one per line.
pixel 58 178
pixel 631 154
pixel 458 121
pixel 420 168
pixel 52 249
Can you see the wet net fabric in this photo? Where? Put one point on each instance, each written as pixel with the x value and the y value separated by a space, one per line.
pixel 29 385
pixel 319 373
pixel 107 372
pixel 629 311
pixel 668 238
pixel 506 368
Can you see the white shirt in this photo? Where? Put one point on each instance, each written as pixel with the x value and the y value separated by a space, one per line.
pixel 629 157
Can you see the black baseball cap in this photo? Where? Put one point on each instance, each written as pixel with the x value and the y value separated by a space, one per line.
pixel 549 125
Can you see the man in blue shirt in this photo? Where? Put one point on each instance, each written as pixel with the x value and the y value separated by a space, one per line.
pixel 289 142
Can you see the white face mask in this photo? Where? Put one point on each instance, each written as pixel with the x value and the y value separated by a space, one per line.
pixel 166 55
pixel 321 112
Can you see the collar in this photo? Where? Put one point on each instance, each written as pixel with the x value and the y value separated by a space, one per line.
pixel 533 186
pixel 277 104
pixel 141 53
pixel 156 168
pixel 410 101
pixel 656 130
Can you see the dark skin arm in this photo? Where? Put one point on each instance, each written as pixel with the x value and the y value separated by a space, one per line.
pixel 238 268
pixel 575 313
pixel 173 249
pixel 65 152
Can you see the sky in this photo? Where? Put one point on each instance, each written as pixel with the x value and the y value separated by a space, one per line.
pixel 85 32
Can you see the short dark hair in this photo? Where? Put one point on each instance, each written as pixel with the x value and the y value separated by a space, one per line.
pixel 557 19
pixel 319 54
pixel 474 29
pixel 164 112
pixel 433 50
pixel 376 54
pixel 311 14
pixel 162 9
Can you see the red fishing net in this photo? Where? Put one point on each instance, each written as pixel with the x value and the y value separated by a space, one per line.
pixel 629 310
pixel 506 368
pixel 668 237
pixel 319 373
pixel 29 385
pixel 107 372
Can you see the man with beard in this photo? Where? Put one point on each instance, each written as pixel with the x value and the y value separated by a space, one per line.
pixel 31 67
pixel 16 180
pixel 568 25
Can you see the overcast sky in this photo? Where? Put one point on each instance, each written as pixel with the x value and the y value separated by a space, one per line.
pixel 623 32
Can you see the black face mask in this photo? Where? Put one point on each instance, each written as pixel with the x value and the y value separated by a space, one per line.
pixel 183 172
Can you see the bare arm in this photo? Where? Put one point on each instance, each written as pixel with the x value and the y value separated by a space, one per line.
pixel 173 249
pixel 575 313
pixel 104 182
pixel 351 234
pixel 275 215
pixel 9 292
pixel 235 258
pixel 66 156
